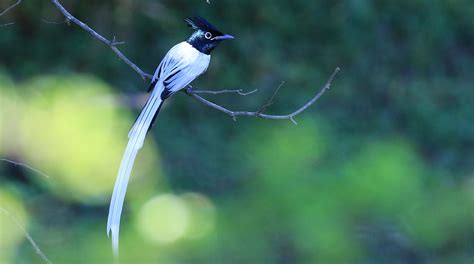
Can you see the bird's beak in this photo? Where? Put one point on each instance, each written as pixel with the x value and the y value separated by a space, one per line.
pixel 226 36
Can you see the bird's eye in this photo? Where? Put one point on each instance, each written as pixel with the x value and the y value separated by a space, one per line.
pixel 208 35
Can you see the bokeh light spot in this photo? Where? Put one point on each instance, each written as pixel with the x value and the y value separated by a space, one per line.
pixel 163 219
pixel 203 215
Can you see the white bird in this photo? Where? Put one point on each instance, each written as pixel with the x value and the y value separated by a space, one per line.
pixel 180 66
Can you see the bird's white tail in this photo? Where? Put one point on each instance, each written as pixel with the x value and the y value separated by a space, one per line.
pixel 136 137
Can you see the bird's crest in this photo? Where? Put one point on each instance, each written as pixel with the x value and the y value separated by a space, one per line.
pixel 199 23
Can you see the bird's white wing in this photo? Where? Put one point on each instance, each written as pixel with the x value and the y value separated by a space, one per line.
pixel 181 65
pixel 184 65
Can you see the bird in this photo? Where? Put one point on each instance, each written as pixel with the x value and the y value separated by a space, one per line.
pixel 183 63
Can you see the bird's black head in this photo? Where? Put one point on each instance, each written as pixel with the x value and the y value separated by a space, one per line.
pixel 206 37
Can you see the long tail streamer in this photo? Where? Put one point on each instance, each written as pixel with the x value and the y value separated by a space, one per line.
pixel 136 137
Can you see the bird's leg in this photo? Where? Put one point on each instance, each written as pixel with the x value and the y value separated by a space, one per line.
pixel 189 89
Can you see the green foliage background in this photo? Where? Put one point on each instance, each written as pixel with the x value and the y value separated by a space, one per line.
pixel 378 171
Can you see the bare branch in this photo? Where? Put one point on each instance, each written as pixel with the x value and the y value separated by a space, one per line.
pixel 112 44
pixel 27 235
pixel 291 116
pixel 234 114
pixel 326 87
pixel 10 7
pixel 238 91
pixel 26 166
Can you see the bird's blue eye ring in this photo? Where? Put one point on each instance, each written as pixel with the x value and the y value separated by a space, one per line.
pixel 208 35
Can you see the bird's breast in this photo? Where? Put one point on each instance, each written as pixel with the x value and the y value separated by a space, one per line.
pixel 188 54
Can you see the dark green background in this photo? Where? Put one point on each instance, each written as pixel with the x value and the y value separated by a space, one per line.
pixel 379 170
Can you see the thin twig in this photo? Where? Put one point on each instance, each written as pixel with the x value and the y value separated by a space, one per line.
pixel 7 24
pixel 271 99
pixel 234 114
pixel 115 42
pixel 238 91
pixel 10 7
pixel 26 166
pixel 53 22
pixel 27 235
